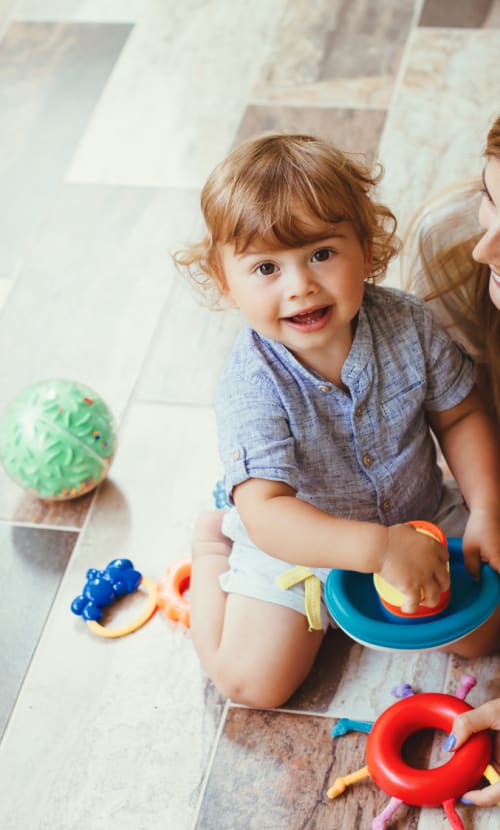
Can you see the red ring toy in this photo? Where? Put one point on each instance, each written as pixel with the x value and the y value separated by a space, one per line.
pixel 171 589
pixel 424 787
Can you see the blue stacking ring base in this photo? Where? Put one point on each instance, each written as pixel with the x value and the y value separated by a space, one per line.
pixel 354 604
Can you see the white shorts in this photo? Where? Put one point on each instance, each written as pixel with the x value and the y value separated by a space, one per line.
pixel 252 573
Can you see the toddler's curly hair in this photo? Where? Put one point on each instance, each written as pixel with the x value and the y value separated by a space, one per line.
pixel 268 187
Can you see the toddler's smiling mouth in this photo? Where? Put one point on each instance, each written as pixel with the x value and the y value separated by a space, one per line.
pixel 311 320
pixel 309 317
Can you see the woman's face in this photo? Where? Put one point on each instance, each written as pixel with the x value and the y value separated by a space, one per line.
pixel 487 249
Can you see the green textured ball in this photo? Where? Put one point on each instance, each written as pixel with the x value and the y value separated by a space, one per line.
pixel 57 439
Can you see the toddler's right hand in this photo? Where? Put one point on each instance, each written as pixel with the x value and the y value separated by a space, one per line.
pixel 416 565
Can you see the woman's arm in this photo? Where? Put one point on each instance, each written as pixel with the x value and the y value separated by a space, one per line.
pixel 470 445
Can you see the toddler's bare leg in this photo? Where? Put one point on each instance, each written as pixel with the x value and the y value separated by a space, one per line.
pixel 256 652
pixel 210 554
pixel 481 642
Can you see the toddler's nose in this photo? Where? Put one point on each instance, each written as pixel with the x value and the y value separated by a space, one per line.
pixel 300 282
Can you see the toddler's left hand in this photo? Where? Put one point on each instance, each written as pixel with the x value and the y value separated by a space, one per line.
pixel 481 542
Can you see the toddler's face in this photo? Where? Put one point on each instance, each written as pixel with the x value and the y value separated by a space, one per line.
pixel 487 249
pixel 304 297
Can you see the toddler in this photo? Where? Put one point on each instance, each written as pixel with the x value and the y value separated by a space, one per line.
pixel 324 414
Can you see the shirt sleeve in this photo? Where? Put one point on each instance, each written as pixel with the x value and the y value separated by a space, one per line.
pixel 450 369
pixel 254 435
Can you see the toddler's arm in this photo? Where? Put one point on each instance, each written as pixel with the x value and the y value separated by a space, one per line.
pixel 470 446
pixel 294 530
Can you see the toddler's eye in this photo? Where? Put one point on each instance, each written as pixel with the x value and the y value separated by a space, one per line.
pixel 322 255
pixel 266 269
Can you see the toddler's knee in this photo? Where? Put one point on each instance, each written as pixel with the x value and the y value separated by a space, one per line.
pixel 249 691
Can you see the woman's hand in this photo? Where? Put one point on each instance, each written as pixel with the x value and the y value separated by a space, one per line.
pixel 484 717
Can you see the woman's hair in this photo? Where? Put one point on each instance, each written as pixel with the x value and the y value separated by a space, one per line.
pixel 437 251
pixel 271 189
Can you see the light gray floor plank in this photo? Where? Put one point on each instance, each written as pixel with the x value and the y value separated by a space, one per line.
pixel 119 733
pixel 51 76
pixel 31 566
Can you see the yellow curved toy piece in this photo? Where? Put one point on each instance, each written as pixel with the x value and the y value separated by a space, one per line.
pixel 341 784
pixel 148 611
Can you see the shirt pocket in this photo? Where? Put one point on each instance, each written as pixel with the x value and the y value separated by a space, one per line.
pixel 403 416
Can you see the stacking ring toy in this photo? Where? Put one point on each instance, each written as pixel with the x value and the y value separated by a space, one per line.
pixel 171 589
pixel 391 599
pixel 406 784
pixel 424 787
pixel 102 588
pixel 353 602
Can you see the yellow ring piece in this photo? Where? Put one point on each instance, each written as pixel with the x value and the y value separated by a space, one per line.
pixel 148 611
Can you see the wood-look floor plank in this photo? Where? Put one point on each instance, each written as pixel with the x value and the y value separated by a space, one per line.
pixel 51 76
pixel 31 567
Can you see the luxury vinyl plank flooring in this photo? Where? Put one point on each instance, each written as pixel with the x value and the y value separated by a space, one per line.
pixel 51 76
pixel 112 113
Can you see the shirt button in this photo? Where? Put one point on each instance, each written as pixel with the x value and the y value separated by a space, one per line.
pixel 367 460
pixel 324 388
pixel 358 411
pixel 236 455
pixel 386 506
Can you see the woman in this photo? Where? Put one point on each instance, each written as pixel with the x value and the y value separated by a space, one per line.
pixel 452 252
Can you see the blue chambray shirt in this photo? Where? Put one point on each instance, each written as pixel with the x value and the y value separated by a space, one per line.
pixel 367 454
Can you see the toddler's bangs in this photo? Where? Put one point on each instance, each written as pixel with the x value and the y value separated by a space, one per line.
pixel 278 214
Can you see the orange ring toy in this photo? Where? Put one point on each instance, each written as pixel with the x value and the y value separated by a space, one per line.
pixel 424 787
pixel 171 589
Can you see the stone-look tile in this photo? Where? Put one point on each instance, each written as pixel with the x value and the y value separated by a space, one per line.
pixel 461 13
pixel 189 350
pixel 486 670
pixel 6 7
pixel 82 11
pixel 50 78
pixel 354 131
pixel 90 295
pixel 273 770
pixel 31 566
pixel 24 508
pixel 5 287
pixel 335 54
pixel 333 687
pixel 350 93
pixel 136 717
pixel 170 111
pixel 436 127
pixel 86 306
